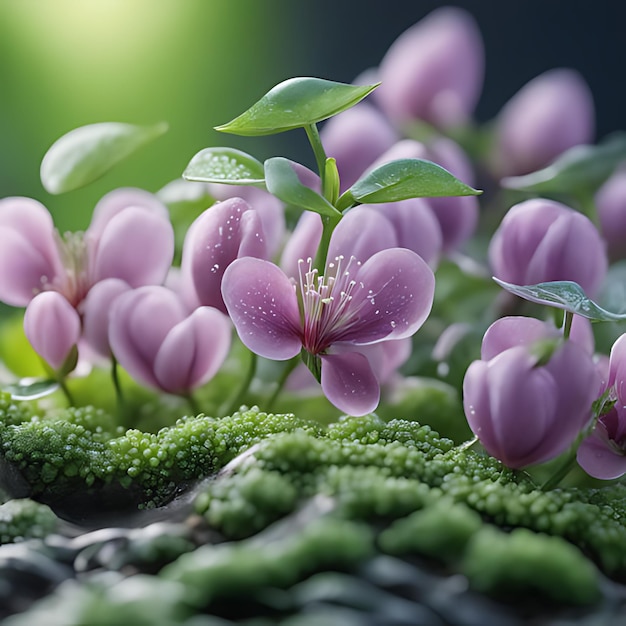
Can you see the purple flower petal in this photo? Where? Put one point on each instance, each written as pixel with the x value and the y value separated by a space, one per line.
pixel 136 245
pixel 119 200
pixel 269 208
pixel 193 351
pixel 361 233
pixel 509 332
pixel 52 326
pixel 599 460
pixel 349 383
pixel 29 254
pixel 139 322
pixel 416 227
pixel 95 310
pixel 395 298
pixel 224 232
pixel 303 243
pixel 263 306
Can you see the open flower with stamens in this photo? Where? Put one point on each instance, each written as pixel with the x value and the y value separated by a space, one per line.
pixel 130 239
pixel 326 318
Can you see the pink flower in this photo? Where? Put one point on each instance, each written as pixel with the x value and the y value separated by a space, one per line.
pixel 526 410
pixel 603 453
pixel 551 113
pixel 160 344
pixel 434 70
pixel 330 317
pixel 541 240
pixel 130 239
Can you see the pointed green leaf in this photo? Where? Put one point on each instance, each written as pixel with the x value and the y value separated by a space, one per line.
pixel 295 103
pixel 31 389
pixel 403 179
pixel 566 295
pixel 86 153
pixel 225 165
pixel 283 182
pixel 581 168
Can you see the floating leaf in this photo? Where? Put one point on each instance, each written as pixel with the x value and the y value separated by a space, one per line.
pixel 581 168
pixel 224 165
pixel 403 179
pixel 86 153
pixel 295 103
pixel 563 294
pixel 283 182
pixel 31 389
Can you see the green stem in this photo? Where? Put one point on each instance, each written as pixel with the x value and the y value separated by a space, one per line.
pixel 193 404
pixel 116 383
pixel 328 226
pixel 564 469
pixel 66 392
pixel 318 150
pixel 289 367
pixel 567 324
pixel 238 399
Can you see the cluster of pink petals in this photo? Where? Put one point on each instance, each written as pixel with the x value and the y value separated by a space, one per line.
pixel 162 344
pixel 130 240
pixel 603 453
pixel 541 240
pixel 522 410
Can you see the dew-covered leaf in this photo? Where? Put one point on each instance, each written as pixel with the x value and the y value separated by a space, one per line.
pixel 581 168
pixel 295 103
pixel 283 182
pixel 86 153
pixel 563 294
pixel 224 165
pixel 31 389
pixel 403 179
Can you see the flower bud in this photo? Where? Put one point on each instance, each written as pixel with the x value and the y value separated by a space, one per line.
pixel 541 240
pixel 611 206
pixel 434 70
pixel 527 404
pixel 551 113
pixel 52 326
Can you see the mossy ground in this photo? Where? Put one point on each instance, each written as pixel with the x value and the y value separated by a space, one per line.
pixel 270 507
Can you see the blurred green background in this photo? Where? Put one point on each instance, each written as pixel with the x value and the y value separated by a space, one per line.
pixel 198 63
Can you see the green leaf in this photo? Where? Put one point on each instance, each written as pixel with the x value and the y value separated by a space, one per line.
pixel 563 294
pixel 31 389
pixel 86 153
pixel 283 182
pixel 295 103
pixel 403 179
pixel 225 165
pixel 581 168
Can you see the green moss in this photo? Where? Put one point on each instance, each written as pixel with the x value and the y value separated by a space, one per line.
pixel 440 531
pixel 25 519
pixel 234 569
pixel 526 564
